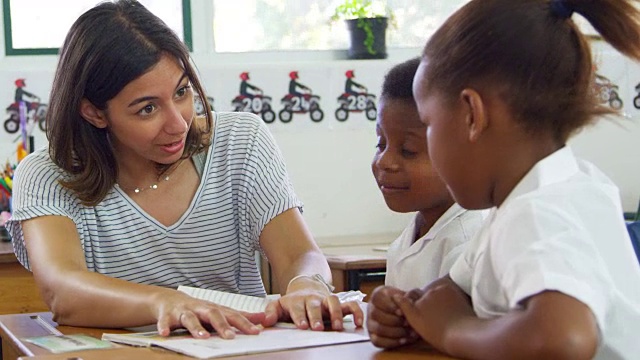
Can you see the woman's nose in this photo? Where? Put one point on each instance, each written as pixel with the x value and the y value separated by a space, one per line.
pixel 176 123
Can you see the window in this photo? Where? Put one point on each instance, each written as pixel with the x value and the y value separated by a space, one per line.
pixel 40 26
pixel 273 25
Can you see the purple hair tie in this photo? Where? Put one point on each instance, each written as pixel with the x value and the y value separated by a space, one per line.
pixel 561 9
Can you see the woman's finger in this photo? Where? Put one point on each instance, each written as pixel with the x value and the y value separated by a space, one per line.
pixel 313 307
pixel 242 323
pixel 332 305
pixel 191 322
pixel 164 325
pixel 353 307
pixel 298 315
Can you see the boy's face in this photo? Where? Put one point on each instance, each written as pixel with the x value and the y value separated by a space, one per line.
pixel 401 164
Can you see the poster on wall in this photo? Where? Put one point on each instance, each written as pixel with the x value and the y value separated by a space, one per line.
pixel 300 100
pixel 297 98
pixel 251 98
pixel 25 96
pixel 633 84
pixel 356 98
pixel 610 80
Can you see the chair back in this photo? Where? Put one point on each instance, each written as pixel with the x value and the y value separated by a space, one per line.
pixel 634 233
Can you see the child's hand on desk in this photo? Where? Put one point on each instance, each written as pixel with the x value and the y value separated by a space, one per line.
pixel 183 311
pixel 385 322
pixel 306 303
pixel 433 310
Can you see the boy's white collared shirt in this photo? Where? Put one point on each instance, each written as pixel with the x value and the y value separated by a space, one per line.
pixel 562 229
pixel 415 264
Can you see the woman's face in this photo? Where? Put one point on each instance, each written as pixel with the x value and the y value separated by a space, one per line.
pixel 401 164
pixel 149 118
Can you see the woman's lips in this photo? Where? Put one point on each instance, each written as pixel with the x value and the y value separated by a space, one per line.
pixel 174 147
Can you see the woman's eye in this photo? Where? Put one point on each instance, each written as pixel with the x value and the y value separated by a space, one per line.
pixel 380 146
pixel 183 91
pixel 146 110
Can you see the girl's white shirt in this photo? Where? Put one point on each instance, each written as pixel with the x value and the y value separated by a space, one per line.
pixel 560 229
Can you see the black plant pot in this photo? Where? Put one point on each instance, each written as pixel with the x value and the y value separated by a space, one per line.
pixel 357 30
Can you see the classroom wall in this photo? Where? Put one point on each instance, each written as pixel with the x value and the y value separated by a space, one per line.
pixel 329 161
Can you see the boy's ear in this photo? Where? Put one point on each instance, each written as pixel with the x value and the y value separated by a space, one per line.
pixel 477 120
pixel 92 114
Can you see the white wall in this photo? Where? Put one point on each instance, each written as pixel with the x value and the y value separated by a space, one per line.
pixel 329 162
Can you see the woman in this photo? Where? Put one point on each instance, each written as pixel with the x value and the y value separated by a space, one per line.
pixel 133 198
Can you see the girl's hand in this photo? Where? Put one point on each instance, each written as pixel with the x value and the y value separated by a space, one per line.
pixel 435 309
pixel 307 302
pixel 385 322
pixel 182 311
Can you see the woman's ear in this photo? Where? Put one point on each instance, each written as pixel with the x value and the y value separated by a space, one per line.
pixel 92 114
pixel 477 120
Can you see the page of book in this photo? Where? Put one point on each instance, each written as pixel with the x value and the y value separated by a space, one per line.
pixel 269 340
pixel 235 301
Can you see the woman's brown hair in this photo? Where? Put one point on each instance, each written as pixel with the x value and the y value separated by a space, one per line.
pixel 534 54
pixel 106 48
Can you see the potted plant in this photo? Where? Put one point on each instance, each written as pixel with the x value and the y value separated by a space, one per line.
pixel 367 23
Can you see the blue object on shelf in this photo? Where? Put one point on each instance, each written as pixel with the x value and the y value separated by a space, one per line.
pixel 634 233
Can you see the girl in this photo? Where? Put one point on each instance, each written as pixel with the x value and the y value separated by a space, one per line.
pixel 502 86
pixel 440 229
pixel 134 198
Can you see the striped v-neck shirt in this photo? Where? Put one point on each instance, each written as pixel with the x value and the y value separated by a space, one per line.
pixel 244 185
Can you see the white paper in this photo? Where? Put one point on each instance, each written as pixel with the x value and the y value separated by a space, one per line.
pixel 271 339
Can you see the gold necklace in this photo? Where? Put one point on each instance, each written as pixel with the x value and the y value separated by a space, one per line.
pixel 152 186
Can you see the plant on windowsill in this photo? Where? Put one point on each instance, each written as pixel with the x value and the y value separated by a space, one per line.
pixel 367 22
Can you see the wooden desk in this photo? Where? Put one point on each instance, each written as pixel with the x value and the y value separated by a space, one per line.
pixel 356 267
pixel 6 253
pixel 18 290
pixel 357 262
pixel 14 327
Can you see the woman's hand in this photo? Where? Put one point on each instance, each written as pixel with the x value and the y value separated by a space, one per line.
pixel 307 302
pixel 433 310
pixel 182 311
pixel 385 322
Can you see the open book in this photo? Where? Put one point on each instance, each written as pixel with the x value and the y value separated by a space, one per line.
pixel 272 339
pixel 235 301
pixel 251 303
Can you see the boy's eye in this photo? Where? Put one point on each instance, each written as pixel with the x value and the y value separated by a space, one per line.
pixel 408 153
